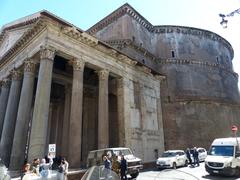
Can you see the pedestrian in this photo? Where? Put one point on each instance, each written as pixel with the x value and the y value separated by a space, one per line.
pixel 115 164
pixel 123 167
pixel 35 166
pixel 64 165
pixel 26 168
pixel 107 167
pixel 195 156
pixel 44 169
pixel 189 156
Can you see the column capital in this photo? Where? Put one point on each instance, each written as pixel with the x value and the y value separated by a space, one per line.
pixel 47 53
pixel 78 64
pixel 29 66
pixel 103 74
pixel 6 83
pixel 160 77
pixel 16 74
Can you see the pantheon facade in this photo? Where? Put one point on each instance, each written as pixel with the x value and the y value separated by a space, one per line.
pixel 123 82
pixel 60 85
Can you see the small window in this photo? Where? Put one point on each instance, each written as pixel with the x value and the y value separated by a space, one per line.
pixel 217 59
pixel 173 54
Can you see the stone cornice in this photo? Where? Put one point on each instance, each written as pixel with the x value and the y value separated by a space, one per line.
pixel 186 99
pixel 39 26
pixel 194 32
pixel 81 36
pixel 127 9
pixel 122 43
pixel 196 62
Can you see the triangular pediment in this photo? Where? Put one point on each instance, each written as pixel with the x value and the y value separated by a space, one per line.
pixel 12 32
pixel 114 16
pixel 10 37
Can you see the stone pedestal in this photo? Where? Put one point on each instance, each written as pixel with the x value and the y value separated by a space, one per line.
pixel 3 102
pixel 75 127
pixel 10 117
pixel 38 137
pixel 103 120
pixel 23 118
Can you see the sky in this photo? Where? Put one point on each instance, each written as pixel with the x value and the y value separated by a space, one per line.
pixel 202 14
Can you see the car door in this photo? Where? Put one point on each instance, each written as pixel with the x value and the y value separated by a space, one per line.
pixel 200 154
pixel 179 158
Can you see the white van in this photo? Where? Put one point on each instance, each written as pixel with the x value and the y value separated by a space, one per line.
pixel 224 157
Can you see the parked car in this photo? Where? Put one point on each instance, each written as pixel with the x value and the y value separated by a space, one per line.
pixel 202 154
pixel 172 159
pixel 95 158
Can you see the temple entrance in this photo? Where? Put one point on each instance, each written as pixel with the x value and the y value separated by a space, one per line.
pixel 60 107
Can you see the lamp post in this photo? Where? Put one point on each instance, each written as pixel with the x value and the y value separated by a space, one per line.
pixel 223 16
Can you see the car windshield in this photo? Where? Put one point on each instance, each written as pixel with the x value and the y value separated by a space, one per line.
pixel 122 151
pixel 221 150
pixel 169 154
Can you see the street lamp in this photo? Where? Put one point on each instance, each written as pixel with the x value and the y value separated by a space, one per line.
pixel 223 16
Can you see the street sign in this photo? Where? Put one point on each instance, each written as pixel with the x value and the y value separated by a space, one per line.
pixel 52 150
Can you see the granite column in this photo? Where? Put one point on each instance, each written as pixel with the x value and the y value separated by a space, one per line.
pixel 103 120
pixel 75 127
pixel 3 102
pixel 65 130
pixel 23 117
pixel 10 117
pixel 38 136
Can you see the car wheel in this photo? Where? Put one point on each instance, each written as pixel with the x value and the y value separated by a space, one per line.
pixel 186 163
pixel 174 166
pixel 134 175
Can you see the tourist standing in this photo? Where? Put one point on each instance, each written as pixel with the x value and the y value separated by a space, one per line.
pixel 123 167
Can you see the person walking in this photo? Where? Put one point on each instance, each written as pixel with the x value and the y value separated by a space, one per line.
pixel 188 154
pixel 123 167
pixel 195 156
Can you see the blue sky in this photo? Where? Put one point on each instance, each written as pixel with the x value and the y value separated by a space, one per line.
pixel 194 13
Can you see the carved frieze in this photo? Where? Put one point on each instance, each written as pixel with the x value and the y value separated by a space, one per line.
pixel 47 53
